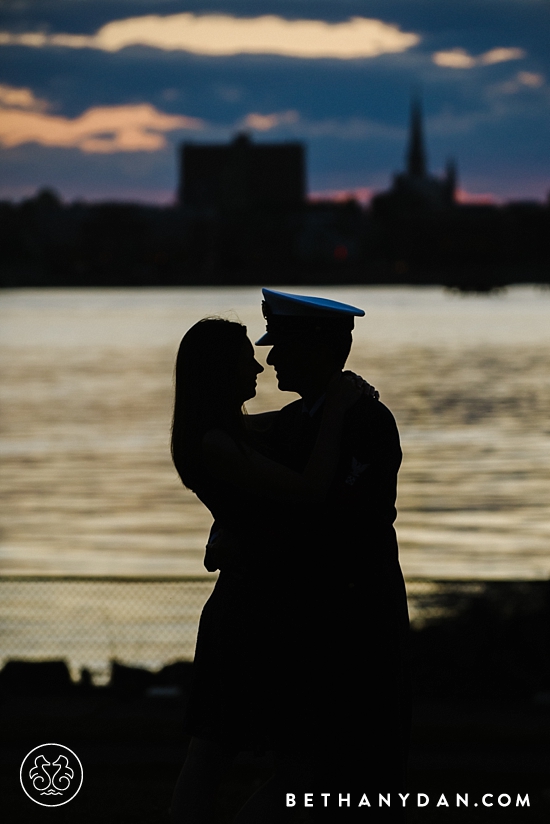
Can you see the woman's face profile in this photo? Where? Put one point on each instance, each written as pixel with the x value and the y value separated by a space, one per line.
pixel 246 372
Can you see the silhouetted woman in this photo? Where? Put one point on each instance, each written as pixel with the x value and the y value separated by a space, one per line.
pixel 233 703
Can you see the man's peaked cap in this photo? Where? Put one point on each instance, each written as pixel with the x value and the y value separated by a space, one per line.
pixel 286 313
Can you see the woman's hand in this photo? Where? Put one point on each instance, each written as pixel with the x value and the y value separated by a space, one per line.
pixel 346 388
pixel 367 389
pixel 221 551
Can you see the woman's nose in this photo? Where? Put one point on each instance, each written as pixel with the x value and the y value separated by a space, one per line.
pixel 259 368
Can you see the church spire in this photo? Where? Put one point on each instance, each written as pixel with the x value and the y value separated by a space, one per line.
pixel 416 156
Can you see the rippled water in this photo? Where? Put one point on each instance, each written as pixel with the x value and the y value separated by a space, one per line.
pixel 86 393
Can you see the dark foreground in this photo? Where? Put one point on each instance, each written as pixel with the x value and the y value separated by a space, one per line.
pixel 132 749
pixel 481 723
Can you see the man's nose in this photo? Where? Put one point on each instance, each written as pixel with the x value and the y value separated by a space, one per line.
pixel 269 358
pixel 259 367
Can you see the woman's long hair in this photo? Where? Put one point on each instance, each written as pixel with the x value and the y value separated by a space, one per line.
pixel 205 391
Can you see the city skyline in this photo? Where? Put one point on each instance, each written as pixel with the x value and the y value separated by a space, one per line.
pixel 95 98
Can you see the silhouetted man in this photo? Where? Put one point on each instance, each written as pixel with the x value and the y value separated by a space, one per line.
pixel 343 619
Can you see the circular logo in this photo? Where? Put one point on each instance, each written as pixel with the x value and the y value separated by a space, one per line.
pixel 51 775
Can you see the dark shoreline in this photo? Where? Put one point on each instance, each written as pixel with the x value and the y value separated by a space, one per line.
pixel 467 279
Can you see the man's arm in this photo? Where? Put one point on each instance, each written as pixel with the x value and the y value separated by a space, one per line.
pixel 371 457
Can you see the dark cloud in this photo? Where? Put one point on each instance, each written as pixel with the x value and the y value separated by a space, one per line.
pixel 139 176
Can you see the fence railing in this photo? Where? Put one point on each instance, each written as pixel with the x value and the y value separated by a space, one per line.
pixel 150 622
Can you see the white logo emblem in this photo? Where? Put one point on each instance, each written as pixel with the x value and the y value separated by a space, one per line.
pixel 51 775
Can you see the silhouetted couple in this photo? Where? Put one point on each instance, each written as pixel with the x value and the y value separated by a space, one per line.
pixel 301 648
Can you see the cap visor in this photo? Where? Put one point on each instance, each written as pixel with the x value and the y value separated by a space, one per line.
pixel 266 340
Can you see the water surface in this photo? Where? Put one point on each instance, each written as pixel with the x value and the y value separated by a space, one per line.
pixel 86 395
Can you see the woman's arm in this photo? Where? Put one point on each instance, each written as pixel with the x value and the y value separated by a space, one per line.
pixel 245 468
pixel 260 422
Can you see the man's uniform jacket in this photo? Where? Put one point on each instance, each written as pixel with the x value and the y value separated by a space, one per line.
pixel 342 609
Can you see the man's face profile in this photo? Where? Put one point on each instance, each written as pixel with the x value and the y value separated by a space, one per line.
pixel 299 360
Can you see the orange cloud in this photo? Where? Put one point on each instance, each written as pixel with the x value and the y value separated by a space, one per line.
pixel 531 79
pixel 522 80
pixel 501 55
pixel 20 98
pixel 222 34
pixel 265 122
pixel 102 129
pixel 460 59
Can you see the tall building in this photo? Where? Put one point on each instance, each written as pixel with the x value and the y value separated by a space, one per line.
pixel 241 176
pixel 415 189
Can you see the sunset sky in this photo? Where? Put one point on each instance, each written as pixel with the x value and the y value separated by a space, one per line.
pixel 96 95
